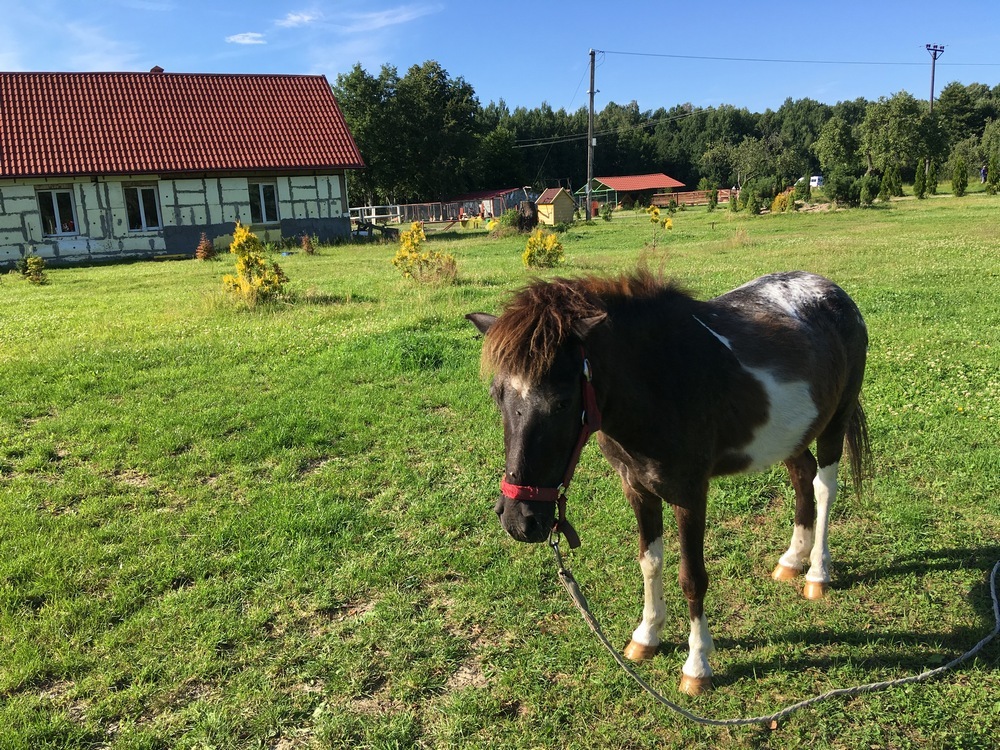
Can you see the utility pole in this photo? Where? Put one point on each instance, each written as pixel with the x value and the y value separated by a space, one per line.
pixel 936 51
pixel 590 139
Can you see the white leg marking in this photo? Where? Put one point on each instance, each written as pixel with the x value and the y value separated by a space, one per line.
pixel 700 645
pixel 653 609
pixel 825 486
pixel 798 551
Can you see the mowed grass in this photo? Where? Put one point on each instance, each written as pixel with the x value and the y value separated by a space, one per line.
pixel 274 529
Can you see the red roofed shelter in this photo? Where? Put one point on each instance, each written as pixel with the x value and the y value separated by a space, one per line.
pixel 615 189
pixel 97 166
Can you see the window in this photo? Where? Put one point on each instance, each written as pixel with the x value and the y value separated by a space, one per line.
pixel 263 202
pixel 58 213
pixel 142 204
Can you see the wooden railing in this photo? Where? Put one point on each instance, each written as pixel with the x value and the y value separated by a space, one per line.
pixel 689 198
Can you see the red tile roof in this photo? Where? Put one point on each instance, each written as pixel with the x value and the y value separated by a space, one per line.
pixel 64 124
pixel 657 181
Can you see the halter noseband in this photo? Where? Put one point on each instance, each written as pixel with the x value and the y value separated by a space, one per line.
pixel 590 423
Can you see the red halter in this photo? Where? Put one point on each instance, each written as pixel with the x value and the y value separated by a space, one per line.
pixel 590 423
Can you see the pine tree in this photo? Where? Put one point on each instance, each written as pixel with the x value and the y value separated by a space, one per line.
pixel 993 174
pixel 920 181
pixel 960 178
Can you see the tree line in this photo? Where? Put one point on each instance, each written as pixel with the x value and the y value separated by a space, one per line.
pixel 426 137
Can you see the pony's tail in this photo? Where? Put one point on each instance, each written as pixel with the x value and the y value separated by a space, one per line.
pixel 859 449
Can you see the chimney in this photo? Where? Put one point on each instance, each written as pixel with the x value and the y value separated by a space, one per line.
pixel 156 69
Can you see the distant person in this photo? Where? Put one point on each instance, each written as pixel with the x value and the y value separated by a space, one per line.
pixel 982 173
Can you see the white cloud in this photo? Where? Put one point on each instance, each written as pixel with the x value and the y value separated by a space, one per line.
pixel 247 37
pixel 298 19
pixel 362 22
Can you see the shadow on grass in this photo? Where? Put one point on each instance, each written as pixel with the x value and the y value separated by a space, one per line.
pixel 935 648
pixel 313 297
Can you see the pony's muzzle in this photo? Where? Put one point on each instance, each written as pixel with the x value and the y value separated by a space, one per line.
pixel 526 521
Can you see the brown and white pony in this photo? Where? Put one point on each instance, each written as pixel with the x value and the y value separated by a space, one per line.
pixel 679 391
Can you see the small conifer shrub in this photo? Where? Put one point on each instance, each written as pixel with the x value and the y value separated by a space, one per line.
pixel 920 181
pixel 960 178
pixel 205 249
pixel 32 269
pixel 255 281
pixel 417 263
pixel 307 245
pixel 544 250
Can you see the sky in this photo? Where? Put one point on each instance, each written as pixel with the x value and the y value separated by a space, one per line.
pixel 744 53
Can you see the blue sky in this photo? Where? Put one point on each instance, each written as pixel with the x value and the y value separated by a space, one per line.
pixel 529 53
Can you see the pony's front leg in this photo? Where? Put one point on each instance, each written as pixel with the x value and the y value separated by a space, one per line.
pixel 696 675
pixel 646 637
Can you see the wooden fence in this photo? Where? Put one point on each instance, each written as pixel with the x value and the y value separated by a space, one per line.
pixel 689 198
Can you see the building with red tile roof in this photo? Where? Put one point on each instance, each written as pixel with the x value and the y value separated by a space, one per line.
pixel 615 189
pixel 105 165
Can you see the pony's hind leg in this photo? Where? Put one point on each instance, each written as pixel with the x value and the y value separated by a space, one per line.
pixel 829 448
pixel 802 470
pixel 696 675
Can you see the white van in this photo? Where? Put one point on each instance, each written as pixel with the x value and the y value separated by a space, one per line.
pixel 816 181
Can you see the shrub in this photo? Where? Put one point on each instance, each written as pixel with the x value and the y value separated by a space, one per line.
pixel 803 191
pixel 508 218
pixel 255 281
pixel 960 178
pixel 843 188
pixel 920 181
pixel 544 250
pixel 32 269
pixel 423 265
pixel 713 199
pixel 307 245
pixel 606 211
pixel 870 189
pixel 993 174
pixel 205 249
pixel 780 204
pixel 932 179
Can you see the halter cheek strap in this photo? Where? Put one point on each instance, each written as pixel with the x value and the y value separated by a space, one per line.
pixel 590 423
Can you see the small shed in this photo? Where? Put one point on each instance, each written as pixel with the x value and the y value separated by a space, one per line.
pixel 555 206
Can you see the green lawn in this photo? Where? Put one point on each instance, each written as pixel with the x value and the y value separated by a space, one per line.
pixel 274 529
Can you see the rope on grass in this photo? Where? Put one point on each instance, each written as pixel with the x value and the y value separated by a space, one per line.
pixel 771 720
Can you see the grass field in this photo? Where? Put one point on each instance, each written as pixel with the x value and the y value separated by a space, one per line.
pixel 274 529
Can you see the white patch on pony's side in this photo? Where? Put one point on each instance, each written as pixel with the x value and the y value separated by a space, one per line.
pixel 720 337
pixel 653 609
pixel 700 645
pixel 792 295
pixel 791 412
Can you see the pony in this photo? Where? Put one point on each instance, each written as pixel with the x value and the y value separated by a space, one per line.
pixel 678 391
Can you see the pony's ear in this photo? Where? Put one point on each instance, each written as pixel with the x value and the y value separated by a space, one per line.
pixel 583 326
pixel 482 321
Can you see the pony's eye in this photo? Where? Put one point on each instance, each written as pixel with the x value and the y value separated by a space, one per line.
pixel 562 404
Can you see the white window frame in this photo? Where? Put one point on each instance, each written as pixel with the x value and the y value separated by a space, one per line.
pixel 64 226
pixel 144 218
pixel 258 188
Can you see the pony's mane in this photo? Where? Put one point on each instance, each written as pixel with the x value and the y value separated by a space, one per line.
pixel 539 318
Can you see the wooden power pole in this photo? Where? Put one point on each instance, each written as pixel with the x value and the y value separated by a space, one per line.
pixel 590 139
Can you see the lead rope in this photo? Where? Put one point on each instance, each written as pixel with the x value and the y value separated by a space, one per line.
pixel 569 583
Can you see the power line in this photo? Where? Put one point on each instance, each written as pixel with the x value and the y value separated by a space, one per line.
pixel 555 139
pixel 778 60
